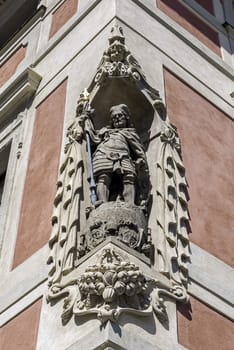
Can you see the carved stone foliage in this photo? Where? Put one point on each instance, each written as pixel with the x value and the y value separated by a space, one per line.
pixel 111 287
pixel 104 189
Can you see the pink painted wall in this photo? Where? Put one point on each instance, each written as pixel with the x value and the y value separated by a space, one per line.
pixel 207 148
pixel 207 4
pixel 20 333
pixel 62 15
pixel 8 68
pixel 192 23
pixel 40 184
pixel 200 327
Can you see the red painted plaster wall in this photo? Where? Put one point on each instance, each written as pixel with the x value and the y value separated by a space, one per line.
pixel 21 332
pixel 8 68
pixel 192 23
pixel 201 328
pixel 40 184
pixel 207 148
pixel 62 15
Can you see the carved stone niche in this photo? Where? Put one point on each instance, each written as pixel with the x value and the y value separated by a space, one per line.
pixel 105 174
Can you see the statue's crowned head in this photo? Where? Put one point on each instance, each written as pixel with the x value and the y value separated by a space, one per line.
pixel 120 116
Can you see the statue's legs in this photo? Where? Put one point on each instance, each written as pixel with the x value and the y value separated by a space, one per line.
pixel 129 188
pixel 103 187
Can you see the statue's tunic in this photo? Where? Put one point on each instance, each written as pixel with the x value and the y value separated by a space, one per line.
pixel 117 151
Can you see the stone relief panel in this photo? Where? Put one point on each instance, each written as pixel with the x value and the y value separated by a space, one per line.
pixel 105 169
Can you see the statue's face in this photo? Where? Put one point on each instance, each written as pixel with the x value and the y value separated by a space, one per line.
pixel 119 119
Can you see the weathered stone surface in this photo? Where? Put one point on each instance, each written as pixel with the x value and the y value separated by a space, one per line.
pixel 125 222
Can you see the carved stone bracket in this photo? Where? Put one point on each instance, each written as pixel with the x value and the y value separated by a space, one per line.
pixel 111 287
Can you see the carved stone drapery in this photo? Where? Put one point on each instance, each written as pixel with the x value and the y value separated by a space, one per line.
pixel 172 209
pixel 114 157
pixel 65 241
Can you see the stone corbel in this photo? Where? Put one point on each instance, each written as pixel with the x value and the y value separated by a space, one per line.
pixel 114 286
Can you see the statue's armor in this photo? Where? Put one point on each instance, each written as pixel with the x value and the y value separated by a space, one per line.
pixel 113 155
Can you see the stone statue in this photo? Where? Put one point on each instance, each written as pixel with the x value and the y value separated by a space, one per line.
pixel 118 177
pixel 115 212
pixel 119 159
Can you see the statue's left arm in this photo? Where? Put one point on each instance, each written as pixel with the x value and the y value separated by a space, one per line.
pixel 137 148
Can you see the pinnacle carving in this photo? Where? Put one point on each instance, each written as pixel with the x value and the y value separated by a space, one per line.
pixel 118 61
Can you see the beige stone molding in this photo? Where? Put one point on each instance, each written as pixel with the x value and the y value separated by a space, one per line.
pixel 22 88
